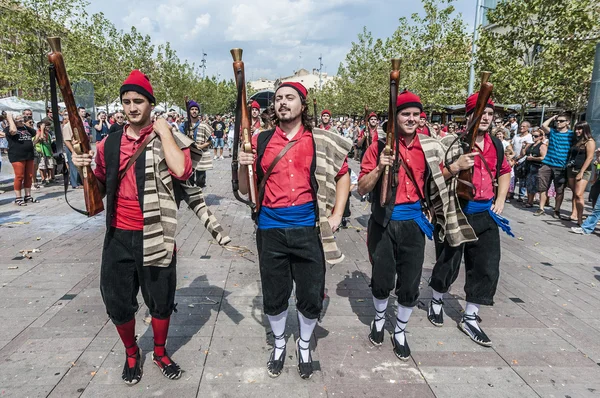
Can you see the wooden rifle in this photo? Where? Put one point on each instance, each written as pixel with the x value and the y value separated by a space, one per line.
pixel 315 112
pixel 390 175
pixel 242 126
pixel 465 189
pixel 81 142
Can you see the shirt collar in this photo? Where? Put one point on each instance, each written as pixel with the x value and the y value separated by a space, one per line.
pixel 283 134
pixel 143 132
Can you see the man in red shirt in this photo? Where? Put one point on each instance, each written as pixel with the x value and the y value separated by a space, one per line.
pixel 128 263
pixel 370 134
pixel 290 244
pixel 423 128
pixel 396 231
pixel 325 120
pixel 482 250
pixel 255 113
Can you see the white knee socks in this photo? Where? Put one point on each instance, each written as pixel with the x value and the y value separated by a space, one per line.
pixel 380 307
pixel 438 296
pixel 472 309
pixel 403 315
pixel 306 330
pixel 277 323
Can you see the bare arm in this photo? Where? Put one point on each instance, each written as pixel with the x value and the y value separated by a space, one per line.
pixel 590 148
pixel 464 162
pixel 12 127
pixel 503 184
pixel 546 125
pixel 342 189
pixel 245 159
pixel 367 183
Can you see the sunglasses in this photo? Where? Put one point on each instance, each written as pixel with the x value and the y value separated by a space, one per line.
pixel 535 135
pixel 561 121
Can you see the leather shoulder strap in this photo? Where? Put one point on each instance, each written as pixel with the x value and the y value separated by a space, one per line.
pixel 137 154
pixel 263 182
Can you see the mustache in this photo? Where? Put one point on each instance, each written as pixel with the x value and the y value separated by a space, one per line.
pixel 283 108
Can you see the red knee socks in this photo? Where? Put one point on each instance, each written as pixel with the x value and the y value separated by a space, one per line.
pixel 160 328
pixel 127 334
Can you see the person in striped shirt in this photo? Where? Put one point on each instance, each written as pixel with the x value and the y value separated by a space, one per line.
pixel 554 165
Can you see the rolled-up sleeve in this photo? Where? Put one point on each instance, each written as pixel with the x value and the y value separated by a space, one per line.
pixel 100 170
pixel 187 167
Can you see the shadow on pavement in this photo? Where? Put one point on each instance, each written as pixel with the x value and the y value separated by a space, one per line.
pixel 201 307
pixel 346 287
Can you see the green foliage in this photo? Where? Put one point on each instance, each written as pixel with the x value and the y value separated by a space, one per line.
pixel 96 51
pixel 539 51
pixel 434 49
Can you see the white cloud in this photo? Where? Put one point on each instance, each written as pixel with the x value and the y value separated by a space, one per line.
pixel 202 22
pixel 278 36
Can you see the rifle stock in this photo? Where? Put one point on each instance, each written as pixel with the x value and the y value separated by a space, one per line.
pixel 242 126
pixel 464 188
pixel 388 175
pixel 91 193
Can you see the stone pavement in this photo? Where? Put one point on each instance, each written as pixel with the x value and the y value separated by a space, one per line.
pixel 56 340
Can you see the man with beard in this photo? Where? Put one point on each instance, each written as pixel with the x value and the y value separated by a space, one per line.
pixel 370 134
pixel 139 248
pixel 255 113
pixel 479 221
pixel 423 128
pixel 325 120
pixel 396 232
pixel 200 132
pixel 300 209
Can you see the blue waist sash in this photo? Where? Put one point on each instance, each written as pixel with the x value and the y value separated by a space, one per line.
pixel 480 206
pixel 413 211
pixel 287 217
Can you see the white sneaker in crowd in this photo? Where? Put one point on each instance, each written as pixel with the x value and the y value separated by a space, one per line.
pixel 577 230
pixel 221 158
pixel 215 158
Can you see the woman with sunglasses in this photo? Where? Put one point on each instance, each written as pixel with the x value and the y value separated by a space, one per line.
pixel 534 153
pixel 579 173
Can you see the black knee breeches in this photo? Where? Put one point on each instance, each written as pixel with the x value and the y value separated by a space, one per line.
pixel 289 255
pixel 122 274
pixel 397 253
pixel 482 262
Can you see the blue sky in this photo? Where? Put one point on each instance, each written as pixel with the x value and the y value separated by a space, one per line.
pixel 278 37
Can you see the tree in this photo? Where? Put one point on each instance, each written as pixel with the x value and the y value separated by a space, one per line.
pixel 25 25
pixel 434 49
pixel 437 54
pixel 539 51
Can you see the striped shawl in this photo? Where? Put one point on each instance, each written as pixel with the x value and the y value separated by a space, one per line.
pixel 458 230
pixel 160 206
pixel 437 190
pixel 331 150
pixel 203 134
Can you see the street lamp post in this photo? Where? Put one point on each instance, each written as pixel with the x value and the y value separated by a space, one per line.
pixel 474 46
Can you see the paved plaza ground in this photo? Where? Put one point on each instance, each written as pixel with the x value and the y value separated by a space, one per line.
pixel 56 339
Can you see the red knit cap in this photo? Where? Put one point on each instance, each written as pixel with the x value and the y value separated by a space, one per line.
pixel 139 83
pixel 296 86
pixel 406 99
pixel 325 112
pixel 423 115
pixel 472 101
pixel 372 114
pixel 255 105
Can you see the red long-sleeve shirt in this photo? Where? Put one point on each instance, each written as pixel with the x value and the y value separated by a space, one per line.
pixel 128 214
